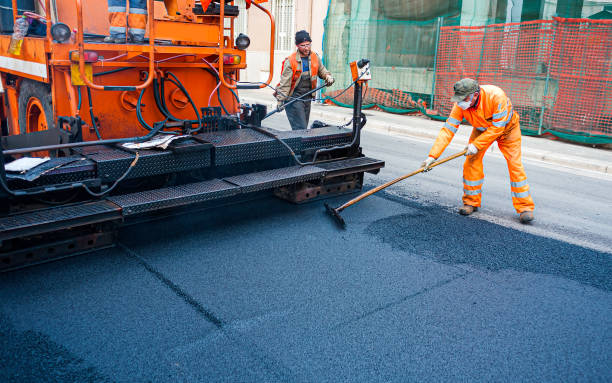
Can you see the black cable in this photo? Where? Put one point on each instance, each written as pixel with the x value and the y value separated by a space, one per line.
pixel 231 90
pixel 114 185
pixel 139 113
pixel 195 108
pixel 91 114
pixel 80 98
pixel 113 71
pixel 158 101
pixel 216 76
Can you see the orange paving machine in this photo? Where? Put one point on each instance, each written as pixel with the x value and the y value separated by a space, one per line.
pixel 99 134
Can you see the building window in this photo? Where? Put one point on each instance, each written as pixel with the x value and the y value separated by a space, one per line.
pixel 284 14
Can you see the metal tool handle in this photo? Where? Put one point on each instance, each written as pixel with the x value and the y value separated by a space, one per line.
pixel 294 100
pixel 386 185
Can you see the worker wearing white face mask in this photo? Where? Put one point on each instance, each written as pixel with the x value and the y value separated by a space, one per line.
pixel 490 112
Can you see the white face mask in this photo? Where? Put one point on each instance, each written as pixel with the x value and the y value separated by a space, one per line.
pixel 465 104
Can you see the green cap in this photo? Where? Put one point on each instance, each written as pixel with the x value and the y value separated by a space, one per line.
pixel 463 88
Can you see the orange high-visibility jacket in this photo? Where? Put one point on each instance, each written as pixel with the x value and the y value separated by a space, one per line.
pixel 292 71
pixel 493 116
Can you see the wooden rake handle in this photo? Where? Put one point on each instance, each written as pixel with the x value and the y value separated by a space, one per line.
pixel 386 185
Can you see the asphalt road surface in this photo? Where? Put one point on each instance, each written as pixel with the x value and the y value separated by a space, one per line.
pixel 267 291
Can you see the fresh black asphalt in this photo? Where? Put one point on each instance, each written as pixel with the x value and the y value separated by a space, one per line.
pixel 267 291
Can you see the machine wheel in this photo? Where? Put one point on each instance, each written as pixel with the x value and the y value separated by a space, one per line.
pixel 35 107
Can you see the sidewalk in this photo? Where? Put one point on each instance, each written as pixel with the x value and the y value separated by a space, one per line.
pixel 549 151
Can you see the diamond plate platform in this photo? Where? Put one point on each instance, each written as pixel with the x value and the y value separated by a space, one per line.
pixel 174 196
pixel 57 218
pixel 270 179
pixel 112 162
pixel 243 145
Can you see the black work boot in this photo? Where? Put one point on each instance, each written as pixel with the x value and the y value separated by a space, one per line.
pixel 467 209
pixel 526 216
pixel 114 39
pixel 136 39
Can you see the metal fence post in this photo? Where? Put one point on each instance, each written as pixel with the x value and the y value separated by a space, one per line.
pixel 550 53
pixel 484 38
pixel 433 82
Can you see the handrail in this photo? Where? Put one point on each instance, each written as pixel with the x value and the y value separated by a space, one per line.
pixel 49 21
pixel 151 74
pixel 15 10
pixel 221 45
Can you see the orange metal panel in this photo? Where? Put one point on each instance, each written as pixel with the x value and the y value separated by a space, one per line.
pixel 31 63
pixel 117 120
pixel 95 15
pixel 203 34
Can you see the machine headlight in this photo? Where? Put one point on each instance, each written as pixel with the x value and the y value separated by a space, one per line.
pixel 243 41
pixel 60 32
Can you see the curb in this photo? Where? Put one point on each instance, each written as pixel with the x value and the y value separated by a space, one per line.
pixel 394 129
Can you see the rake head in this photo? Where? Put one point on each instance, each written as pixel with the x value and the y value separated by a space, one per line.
pixel 336 215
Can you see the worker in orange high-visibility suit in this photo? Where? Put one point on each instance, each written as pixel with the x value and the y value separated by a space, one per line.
pixel 490 112
pixel 136 20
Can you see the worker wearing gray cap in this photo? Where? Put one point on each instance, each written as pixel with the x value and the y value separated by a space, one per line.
pixel 493 118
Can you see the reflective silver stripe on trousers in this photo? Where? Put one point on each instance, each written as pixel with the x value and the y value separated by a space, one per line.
pixel 450 127
pixel 473 183
pixel 472 192
pixel 520 195
pixel 481 128
pixel 454 121
pixel 519 184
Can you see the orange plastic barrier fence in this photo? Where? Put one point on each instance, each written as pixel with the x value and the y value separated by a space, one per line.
pixel 558 73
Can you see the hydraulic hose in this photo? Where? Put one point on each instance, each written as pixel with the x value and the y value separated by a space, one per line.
pixel 91 114
pixel 161 106
pixel 195 108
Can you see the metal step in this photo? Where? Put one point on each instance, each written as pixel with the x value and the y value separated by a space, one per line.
pixel 270 179
pixel 174 196
pixel 57 218
pixel 351 165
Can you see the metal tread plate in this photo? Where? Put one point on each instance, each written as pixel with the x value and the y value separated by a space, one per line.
pixel 57 218
pixel 173 196
pixel 112 162
pixel 351 165
pixel 270 179
pixel 317 138
pixel 243 145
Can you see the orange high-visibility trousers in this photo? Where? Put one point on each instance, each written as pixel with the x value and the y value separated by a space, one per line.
pixel 473 175
pixel 137 18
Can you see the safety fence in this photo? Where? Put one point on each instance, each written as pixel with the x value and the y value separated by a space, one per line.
pixel 558 73
pixel 392 101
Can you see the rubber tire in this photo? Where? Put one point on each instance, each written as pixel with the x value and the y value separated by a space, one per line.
pixel 41 91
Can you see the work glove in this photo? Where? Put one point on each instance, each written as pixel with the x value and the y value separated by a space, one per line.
pixel 427 163
pixel 329 80
pixel 471 150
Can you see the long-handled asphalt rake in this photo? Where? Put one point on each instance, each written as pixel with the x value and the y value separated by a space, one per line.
pixel 335 212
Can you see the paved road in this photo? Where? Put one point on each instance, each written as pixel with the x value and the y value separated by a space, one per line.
pixel 272 292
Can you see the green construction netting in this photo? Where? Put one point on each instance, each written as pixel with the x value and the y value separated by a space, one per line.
pixel 418 48
pixel 398 36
